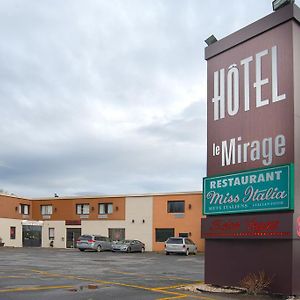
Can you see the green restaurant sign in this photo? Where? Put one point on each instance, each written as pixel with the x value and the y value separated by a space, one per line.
pixel 261 190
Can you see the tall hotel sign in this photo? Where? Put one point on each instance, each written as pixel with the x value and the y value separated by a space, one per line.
pixel 251 147
pixel 250 102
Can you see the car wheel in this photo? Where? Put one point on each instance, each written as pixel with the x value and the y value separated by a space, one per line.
pixel 187 252
pixel 81 250
pixel 128 249
pixel 143 250
pixel 99 249
pixel 167 253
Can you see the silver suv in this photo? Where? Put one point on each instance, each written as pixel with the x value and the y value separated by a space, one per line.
pixel 180 245
pixel 93 242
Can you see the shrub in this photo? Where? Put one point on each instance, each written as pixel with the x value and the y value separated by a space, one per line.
pixel 255 283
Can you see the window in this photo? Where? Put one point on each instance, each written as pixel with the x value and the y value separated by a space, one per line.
pixel 183 234
pixel 105 208
pixel 175 206
pixel 85 237
pixel 46 209
pixel 102 239
pixel 82 209
pixel 176 241
pixel 24 209
pixel 189 242
pixel 116 234
pixel 12 233
pixel 51 233
pixel 162 234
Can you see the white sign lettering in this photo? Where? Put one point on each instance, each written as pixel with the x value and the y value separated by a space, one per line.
pixel 235 151
pixel 231 104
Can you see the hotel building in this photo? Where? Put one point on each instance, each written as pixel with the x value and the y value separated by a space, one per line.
pixel 59 221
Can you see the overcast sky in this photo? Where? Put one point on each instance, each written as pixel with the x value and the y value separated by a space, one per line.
pixel 108 96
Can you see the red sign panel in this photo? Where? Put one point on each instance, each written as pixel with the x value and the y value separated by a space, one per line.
pixel 73 222
pixel 273 226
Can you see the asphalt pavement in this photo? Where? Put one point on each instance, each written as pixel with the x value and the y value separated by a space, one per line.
pixel 37 273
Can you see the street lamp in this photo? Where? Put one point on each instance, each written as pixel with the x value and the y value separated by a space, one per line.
pixel 210 40
pixel 277 4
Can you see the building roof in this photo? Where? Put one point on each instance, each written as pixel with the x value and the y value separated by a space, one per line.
pixel 116 196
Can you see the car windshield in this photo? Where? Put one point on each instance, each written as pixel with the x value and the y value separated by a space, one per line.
pixel 86 237
pixel 175 241
pixel 124 242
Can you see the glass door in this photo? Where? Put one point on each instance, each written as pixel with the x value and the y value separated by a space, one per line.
pixel 72 236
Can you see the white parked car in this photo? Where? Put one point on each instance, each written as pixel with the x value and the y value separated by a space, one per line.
pixel 180 245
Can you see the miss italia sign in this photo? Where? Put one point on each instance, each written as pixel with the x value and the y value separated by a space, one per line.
pixel 268 189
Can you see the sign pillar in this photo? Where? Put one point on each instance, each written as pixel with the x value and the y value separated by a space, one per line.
pixel 250 199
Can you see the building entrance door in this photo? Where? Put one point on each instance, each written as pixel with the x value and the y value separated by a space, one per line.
pixel 72 236
pixel 32 236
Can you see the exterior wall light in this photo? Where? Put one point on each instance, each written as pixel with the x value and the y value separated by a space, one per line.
pixel 143 221
pixel 210 40
pixel 277 4
pixel 132 221
pixel 190 206
pixel 117 208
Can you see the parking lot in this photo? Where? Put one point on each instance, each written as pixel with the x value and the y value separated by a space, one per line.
pixel 35 273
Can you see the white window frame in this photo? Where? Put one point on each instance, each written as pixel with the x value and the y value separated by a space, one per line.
pixel 51 233
pixel 46 210
pixel 82 209
pixel 24 209
pixel 105 208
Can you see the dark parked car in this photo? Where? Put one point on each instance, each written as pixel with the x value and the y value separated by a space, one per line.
pixel 128 246
pixel 93 242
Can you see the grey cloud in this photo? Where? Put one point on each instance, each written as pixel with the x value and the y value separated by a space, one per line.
pixel 107 96
pixel 188 127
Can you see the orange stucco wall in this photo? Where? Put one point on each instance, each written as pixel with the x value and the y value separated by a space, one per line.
pixel 9 207
pixel 65 209
pixel 189 222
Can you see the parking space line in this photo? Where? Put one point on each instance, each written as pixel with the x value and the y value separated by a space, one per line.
pixel 44 273
pixel 154 275
pixel 37 288
pixel 12 276
pixel 172 294
pixel 5 269
pixel 181 295
pixel 91 280
pixel 187 296
pixel 181 278
pixel 175 297
pixel 169 287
